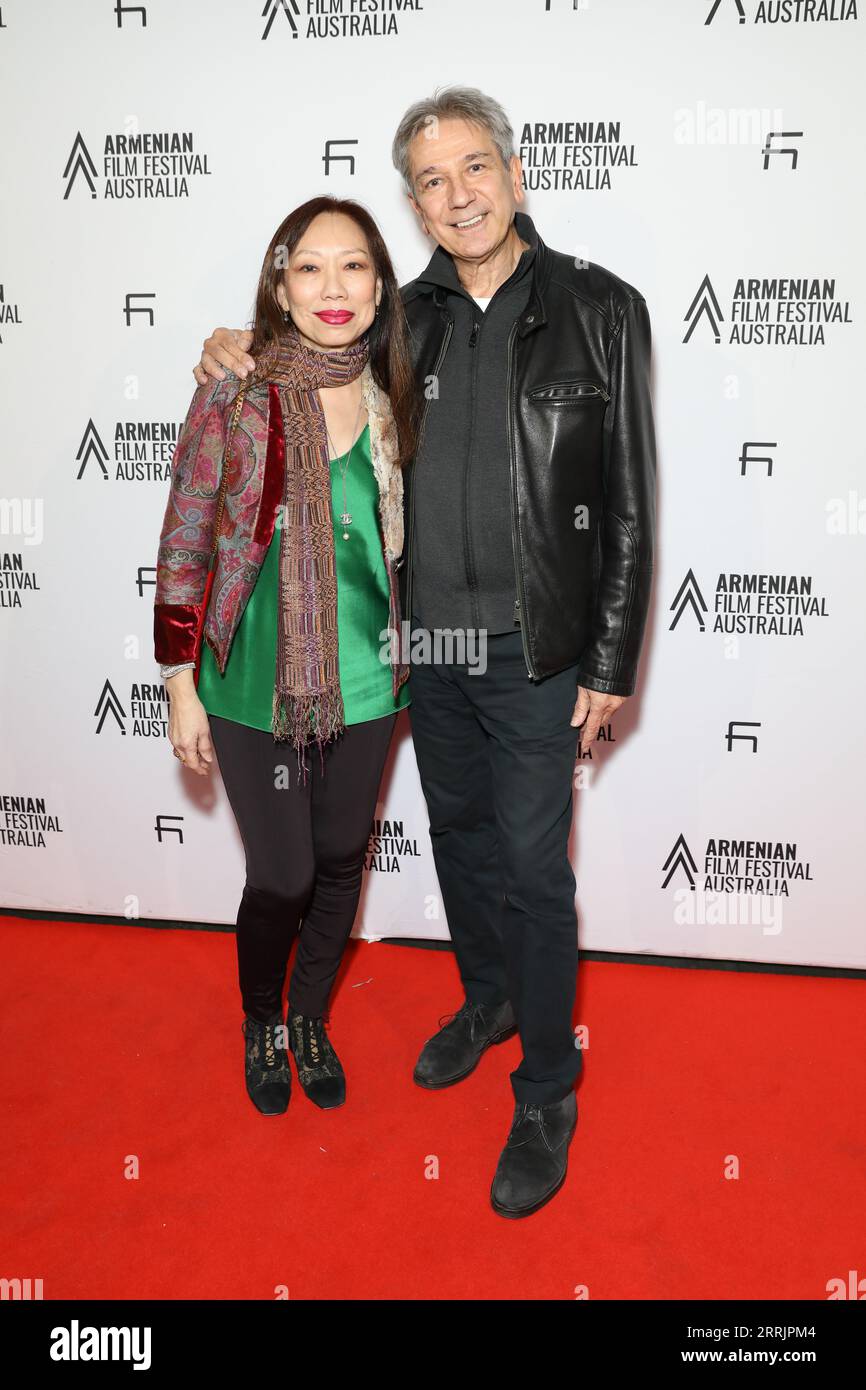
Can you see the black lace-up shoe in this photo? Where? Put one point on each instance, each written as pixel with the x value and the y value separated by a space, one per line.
pixel 456 1049
pixel 266 1064
pixel 319 1069
pixel 533 1164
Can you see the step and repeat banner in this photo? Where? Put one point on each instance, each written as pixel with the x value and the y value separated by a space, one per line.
pixel 709 152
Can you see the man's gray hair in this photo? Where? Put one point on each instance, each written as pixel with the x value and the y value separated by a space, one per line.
pixel 460 103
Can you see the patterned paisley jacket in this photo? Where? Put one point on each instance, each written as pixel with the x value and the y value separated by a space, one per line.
pixel 254 493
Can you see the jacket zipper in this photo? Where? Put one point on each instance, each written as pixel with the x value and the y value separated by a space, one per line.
pixel 438 363
pixel 515 543
pixel 467 549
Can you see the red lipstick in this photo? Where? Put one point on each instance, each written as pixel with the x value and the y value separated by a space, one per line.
pixel 334 315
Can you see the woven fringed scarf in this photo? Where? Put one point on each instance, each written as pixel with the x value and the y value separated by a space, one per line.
pixel 308 703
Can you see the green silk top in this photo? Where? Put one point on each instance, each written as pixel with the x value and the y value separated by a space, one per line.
pixel 245 692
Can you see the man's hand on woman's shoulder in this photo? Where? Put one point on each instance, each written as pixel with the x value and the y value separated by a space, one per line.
pixel 225 348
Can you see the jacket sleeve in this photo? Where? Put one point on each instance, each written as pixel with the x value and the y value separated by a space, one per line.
pixel 185 542
pixel 610 658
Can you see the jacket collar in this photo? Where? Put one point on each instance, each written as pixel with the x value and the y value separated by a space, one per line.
pixel 440 275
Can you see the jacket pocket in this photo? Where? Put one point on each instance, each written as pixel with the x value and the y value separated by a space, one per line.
pixel 568 393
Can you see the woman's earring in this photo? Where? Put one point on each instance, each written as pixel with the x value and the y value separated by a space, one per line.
pixel 286 316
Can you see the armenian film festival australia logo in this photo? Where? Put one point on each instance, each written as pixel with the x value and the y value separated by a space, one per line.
pixel 338 19
pixel 9 311
pixel 26 820
pixel 739 882
pixel 143 714
pixel 135 164
pixel 387 845
pixel 782 11
pixel 769 312
pixel 18 578
pixel 141 451
pixel 573 155
pixel 758 605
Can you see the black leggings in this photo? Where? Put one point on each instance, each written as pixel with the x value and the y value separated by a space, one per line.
pixel 305 845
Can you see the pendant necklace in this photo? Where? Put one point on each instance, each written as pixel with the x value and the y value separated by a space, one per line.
pixel 345 515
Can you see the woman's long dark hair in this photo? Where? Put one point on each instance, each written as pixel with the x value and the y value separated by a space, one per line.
pixel 390 360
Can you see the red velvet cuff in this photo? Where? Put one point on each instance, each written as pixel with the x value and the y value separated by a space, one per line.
pixel 275 470
pixel 175 632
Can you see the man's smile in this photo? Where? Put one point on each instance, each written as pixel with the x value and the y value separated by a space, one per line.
pixel 469 223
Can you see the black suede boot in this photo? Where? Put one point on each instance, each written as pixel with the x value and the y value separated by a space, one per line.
pixel 533 1164
pixel 319 1069
pixel 266 1064
pixel 456 1049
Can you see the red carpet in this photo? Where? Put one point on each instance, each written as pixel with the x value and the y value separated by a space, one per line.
pixel 104 1057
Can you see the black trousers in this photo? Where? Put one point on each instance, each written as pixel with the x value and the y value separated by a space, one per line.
pixel 305 845
pixel 496 755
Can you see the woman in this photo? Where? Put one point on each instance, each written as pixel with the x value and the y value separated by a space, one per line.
pixel 308 530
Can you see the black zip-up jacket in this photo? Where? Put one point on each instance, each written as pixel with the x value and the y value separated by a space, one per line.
pixel 582 462
pixel 462 563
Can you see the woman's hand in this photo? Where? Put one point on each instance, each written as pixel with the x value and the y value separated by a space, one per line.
pixel 188 727
pixel 229 347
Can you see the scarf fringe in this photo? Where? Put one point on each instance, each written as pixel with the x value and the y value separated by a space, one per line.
pixel 307 718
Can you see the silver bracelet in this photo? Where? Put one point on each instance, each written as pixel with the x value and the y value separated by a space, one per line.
pixel 166 671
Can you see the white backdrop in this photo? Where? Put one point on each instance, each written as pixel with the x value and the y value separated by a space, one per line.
pixel 658 171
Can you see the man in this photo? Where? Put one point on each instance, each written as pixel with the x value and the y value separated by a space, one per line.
pixel 529 520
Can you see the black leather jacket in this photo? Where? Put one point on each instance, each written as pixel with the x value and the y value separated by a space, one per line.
pixel 582 464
